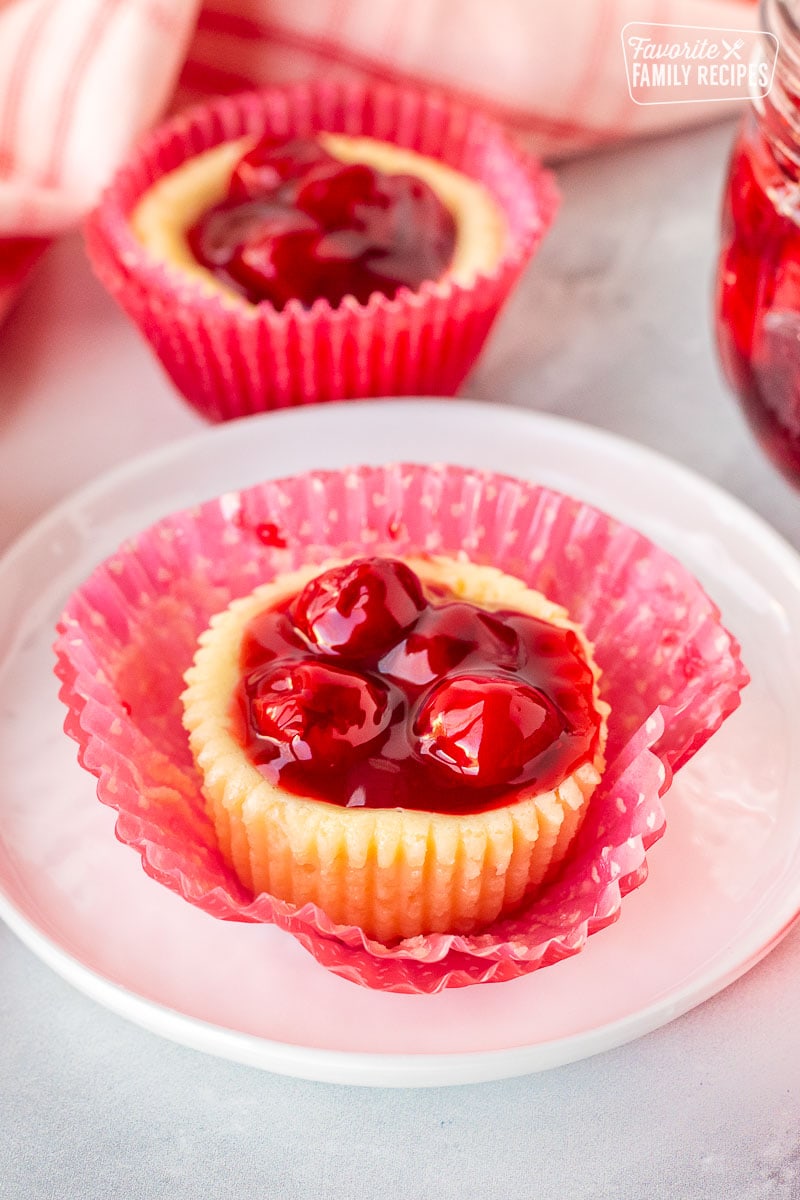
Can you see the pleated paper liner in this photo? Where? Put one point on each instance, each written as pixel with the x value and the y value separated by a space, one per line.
pixel 671 673
pixel 230 359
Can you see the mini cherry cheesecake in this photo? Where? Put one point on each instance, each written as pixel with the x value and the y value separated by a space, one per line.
pixel 409 744
pixel 320 241
pixel 329 216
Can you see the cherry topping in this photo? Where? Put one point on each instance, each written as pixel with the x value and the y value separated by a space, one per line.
pixel 269 164
pixel 453 636
pixel 312 712
pixel 368 689
pixel 484 728
pixel 359 609
pixel 298 223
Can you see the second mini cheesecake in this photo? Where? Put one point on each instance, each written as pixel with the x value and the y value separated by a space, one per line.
pixel 350 298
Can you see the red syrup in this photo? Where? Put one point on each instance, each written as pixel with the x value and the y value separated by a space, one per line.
pixel 297 223
pixel 419 701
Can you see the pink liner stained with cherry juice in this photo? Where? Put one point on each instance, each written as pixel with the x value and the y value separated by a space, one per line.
pixel 671 673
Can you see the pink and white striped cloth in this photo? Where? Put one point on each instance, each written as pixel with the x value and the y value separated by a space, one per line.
pixel 80 81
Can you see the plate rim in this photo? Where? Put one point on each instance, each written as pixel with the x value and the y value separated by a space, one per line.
pixel 347 1067
pixel 408 1068
pixel 161 455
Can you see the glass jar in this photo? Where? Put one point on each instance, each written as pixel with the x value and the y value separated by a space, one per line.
pixel 758 279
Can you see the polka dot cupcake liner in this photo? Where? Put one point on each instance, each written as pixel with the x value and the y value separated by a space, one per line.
pixel 670 671
pixel 229 360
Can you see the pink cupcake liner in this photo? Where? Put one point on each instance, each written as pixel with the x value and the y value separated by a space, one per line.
pixel 229 363
pixel 671 673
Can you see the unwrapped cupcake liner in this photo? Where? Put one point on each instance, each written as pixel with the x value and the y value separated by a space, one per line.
pixel 670 671
pixel 230 360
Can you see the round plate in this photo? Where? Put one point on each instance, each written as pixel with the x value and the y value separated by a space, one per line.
pixel 724 882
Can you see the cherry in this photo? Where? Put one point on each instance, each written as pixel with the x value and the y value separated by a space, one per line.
pixel 332 193
pixel 265 265
pixel 448 637
pixel 246 225
pixel 485 729
pixel 318 714
pixel 252 245
pixel 269 164
pixel 360 609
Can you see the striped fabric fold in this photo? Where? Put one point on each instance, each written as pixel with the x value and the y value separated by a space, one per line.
pixel 80 81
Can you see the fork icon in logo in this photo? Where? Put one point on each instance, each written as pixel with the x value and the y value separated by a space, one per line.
pixel 733 50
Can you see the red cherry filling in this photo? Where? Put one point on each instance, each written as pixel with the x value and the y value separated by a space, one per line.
pixel 455 635
pixel 485 728
pixel 317 714
pixel 366 689
pixel 758 294
pixel 298 223
pixel 361 608
pixel 270 163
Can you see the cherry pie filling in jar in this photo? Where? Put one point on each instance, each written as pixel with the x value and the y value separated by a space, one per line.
pixel 758 274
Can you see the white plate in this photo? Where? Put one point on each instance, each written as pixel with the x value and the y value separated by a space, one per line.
pixel 724 882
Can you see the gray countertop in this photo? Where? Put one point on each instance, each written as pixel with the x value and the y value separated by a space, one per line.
pixel 610 326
